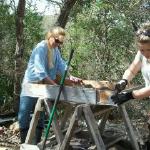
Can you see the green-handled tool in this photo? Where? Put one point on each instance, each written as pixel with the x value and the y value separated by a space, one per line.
pixel 57 99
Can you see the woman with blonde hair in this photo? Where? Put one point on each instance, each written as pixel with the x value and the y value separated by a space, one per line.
pixel 140 63
pixel 44 64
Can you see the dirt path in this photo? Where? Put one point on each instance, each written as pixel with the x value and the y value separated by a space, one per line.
pixel 8 139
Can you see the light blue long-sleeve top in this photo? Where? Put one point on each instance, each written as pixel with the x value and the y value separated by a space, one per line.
pixel 38 68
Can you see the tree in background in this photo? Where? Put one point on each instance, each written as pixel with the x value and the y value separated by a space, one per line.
pixel 19 50
pixel 65 12
pixel 32 34
pixel 7 47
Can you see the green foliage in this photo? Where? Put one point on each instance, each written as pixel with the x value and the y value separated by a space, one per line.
pixel 7 49
pixel 32 34
pixel 103 37
pixel 6 88
pixel 7 34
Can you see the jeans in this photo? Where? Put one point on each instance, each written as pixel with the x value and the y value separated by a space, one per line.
pixel 26 108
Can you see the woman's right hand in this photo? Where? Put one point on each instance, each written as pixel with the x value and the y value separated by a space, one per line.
pixel 49 81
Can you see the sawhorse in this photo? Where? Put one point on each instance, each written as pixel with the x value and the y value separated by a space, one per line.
pixel 82 110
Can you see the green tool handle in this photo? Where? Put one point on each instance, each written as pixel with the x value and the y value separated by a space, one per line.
pixel 57 99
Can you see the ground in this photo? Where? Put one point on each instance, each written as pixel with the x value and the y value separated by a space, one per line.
pixel 9 139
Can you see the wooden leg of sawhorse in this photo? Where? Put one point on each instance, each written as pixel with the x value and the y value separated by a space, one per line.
pixel 34 121
pixel 103 122
pixel 128 126
pixel 67 114
pixel 92 127
pixel 73 123
pixel 55 124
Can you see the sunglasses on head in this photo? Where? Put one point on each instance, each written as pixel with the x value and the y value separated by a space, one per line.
pixel 57 41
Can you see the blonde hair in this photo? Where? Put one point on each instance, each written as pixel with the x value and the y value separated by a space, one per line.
pixel 143 34
pixel 54 32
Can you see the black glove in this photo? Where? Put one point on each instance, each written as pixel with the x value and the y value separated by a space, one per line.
pixel 121 85
pixel 122 97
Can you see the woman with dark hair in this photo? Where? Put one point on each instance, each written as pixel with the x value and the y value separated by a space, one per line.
pixel 140 63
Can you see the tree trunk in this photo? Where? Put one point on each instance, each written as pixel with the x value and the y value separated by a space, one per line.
pixel 64 13
pixel 19 51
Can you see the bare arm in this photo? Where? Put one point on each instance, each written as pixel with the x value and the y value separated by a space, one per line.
pixel 131 72
pixel 141 93
pixel 133 69
pixel 47 80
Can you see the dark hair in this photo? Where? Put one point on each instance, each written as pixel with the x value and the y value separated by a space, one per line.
pixel 143 34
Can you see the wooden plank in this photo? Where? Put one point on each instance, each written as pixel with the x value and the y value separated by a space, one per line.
pixel 93 127
pixel 101 109
pixel 68 111
pixel 134 88
pixel 25 146
pixel 128 126
pixel 72 125
pixel 104 97
pixel 34 121
pixel 103 122
pixel 55 124
pixel 72 94
pixel 99 84
pixel 88 83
